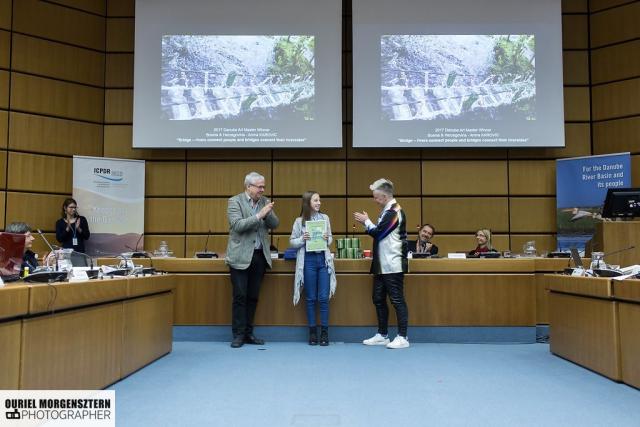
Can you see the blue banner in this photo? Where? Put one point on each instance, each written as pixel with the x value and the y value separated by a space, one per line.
pixel 581 187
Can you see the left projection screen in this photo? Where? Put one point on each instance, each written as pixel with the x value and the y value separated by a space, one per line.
pixel 237 74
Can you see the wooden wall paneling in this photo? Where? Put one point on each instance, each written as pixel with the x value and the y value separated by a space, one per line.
pixel 544 242
pixel 75 342
pixel 533 214
pixel 229 154
pixel 486 300
pixel 466 214
pixel 615 62
pixel 574 6
pixel 405 176
pixel 5 14
pixel 203 299
pixel 614 100
pixel 224 178
pixel 615 136
pixel 410 205
pixel 217 243
pixel 576 104
pixel 629 343
pixel 10 334
pixel 577 138
pixel 532 177
pixel 457 178
pixel 120 8
pixel 37 173
pixel 4 89
pixel 53 22
pixel 118 143
pixel 3 167
pixel 310 153
pixel 464 153
pixel 575 34
pixel 165 178
pixel 119 70
pixel 294 178
pixel 56 98
pixel 382 154
pixel 596 5
pixel 635 171
pixel 4 127
pixel 353 287
pixel 147 333
pixel 118 106
pixel 207 214
pixel 120 34
pixel 464 243
pixel 93 6
pixel 51 59
pixel 615 25
pixel 38 210
pixel 2 207
pixel 576 67
pixel 288 209
pixel 5 49
pixel 49 135
pixel 175 243
pixel 164 215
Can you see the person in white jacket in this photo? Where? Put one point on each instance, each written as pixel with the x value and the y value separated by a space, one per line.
pixel 315 271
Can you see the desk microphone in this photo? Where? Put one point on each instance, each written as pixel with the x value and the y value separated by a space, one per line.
pixel 206 253
pixel 618 251
pixel 136 253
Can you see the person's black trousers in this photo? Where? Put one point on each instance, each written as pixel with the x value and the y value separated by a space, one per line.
pixel 246 288
pixel 392 285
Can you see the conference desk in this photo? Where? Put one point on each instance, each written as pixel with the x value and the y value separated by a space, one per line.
pixel 439 292
pixel 83 335
pixel 594 323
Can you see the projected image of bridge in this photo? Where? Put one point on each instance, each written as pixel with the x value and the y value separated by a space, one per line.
pixel 233 77
pixel 429 77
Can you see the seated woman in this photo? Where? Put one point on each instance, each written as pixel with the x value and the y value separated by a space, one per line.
pixel 423 245
pixel 29 259
pixel 484 243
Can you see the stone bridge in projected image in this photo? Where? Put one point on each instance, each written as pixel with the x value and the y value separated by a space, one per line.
pixel 198 103
pixel 420 103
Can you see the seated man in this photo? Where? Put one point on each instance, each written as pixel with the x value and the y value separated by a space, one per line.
pixel 423 245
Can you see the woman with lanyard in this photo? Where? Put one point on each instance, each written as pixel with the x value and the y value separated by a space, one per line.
pixel 72 229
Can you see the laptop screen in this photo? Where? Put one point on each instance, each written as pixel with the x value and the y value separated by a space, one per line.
pixel 11 251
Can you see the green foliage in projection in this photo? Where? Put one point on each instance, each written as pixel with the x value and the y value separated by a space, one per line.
pixel 293 58
pixel 513 58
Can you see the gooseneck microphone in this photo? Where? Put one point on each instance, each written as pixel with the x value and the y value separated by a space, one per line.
pixel 606 254
pixel 206 253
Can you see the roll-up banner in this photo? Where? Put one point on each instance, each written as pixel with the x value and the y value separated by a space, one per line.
pixel 581 187
pixel 110 194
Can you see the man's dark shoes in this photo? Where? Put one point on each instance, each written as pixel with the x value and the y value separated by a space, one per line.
pixel 237 341
pixel 251 339
pixel 313 335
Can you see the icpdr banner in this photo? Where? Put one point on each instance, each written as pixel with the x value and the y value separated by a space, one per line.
pixel 581 187
pixel 110 194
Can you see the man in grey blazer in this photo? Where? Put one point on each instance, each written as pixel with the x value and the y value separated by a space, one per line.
pixel 250 216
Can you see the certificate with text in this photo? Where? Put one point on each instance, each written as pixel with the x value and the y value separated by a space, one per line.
pixel 316 230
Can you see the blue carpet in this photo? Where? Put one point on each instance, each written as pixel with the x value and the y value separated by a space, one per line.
pixel 293 384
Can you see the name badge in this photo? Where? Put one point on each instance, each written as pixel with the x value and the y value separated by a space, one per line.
pixel 74 242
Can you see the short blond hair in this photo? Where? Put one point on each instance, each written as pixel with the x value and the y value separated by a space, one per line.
pixel 383 185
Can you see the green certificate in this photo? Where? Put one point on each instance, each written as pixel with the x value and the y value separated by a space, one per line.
pixel 316 230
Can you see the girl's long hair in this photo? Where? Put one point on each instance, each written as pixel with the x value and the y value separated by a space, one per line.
pixel 305 212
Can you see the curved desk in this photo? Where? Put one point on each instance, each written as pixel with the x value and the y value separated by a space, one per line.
pixel 440 292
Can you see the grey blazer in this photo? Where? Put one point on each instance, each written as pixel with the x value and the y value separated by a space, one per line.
pixel 245 228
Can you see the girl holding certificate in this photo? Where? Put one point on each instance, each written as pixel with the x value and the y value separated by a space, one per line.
pixel 315 272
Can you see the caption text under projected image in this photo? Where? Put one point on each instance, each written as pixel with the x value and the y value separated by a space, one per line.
pixel 222 77
pixel 457 77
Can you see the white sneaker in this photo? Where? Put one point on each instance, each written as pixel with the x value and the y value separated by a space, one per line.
pixel 398 342
pixel 377 339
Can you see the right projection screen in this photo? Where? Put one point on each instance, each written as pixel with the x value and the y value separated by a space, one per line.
pixel 457 73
